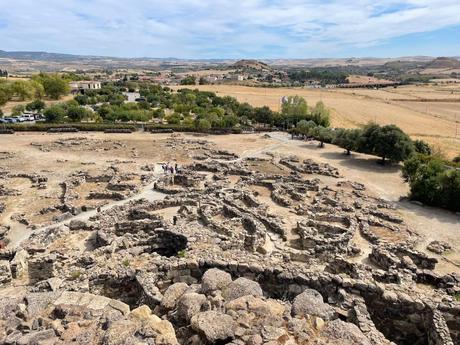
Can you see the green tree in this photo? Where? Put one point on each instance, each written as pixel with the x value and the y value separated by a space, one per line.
pixel 347 139
pixel 54 113
pixel 203 125
pixel 305 127
pixel 390 142
pixel 5 92
pixel 76 113
pixel 322 134
pixel 174 119
pixel 188 80
pixel 294 109
pixel 203 81
pixel 54 86
pixel 18 110
pixel 22 89
pixel 422 147
pixel 264 115
pixel 37 105
pixel 321 115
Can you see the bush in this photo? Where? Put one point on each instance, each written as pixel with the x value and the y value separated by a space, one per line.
pixel 54 113
pixel 422 147
pixel 86 127
pixel 433 181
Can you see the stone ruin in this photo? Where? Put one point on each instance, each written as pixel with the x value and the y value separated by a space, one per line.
pixel 233 267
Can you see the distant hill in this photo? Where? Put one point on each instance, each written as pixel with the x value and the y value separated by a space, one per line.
pixel 251 64
pixel 39 56
pixel 443 62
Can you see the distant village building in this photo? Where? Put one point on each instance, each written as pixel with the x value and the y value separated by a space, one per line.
pixel 132 96
pixel 78 86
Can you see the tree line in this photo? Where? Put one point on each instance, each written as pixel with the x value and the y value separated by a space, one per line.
pixel 50 85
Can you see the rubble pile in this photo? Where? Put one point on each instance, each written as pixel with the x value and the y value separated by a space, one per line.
pixel 228 254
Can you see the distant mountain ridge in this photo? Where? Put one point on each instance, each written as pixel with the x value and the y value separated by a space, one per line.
pixel 444 62
pixel 43 56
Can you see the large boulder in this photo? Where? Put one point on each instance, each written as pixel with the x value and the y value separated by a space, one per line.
pixel 338 332
pixel 163 328
pixel 214 326
pixel 257 305
pixel 76 224
pixel 172 295
pixel 310 302
pixel 242 287
pixel 191 304
pixel 215 279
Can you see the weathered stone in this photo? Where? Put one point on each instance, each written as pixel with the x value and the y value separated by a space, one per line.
pixel 310 302
pixel 241 287
pixel 214 326
pixel 215 279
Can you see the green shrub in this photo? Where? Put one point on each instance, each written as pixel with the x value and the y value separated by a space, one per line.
pixel 433 181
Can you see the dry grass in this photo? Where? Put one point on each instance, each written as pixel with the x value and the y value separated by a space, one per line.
pixel 8 107
pixel 356 107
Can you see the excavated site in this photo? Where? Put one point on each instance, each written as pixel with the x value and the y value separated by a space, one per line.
pixel 250 245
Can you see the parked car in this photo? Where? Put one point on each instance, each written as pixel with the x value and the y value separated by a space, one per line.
pixel 28 117
pixel 2 120
pixel 11 120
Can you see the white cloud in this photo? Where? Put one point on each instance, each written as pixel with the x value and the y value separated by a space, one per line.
pixel 219 28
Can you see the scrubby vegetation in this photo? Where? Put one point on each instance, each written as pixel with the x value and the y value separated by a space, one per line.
pixel 433 181
pixel 323 76
pixel 51 85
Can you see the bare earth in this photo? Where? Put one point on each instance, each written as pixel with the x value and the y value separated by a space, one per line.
pixel 95 153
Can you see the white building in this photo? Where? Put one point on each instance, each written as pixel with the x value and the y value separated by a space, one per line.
pixel 85 85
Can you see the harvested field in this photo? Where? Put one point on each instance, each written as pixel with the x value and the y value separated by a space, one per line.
pixel 407 106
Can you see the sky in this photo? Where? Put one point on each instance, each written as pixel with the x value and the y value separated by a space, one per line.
pixel 234 29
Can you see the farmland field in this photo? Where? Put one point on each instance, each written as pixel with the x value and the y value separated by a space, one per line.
pixel 409 107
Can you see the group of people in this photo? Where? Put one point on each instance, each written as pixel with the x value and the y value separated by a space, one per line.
pixel 170 169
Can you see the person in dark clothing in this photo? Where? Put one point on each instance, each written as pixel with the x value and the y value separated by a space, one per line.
pixel 175 220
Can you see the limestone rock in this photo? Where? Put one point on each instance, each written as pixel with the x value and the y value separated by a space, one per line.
pixel 214 325
pixel 241 287
pixel 190 304
pixel 340 332
pixel 165 330
pixel 310 302
pixel 215 279
pixel 172 295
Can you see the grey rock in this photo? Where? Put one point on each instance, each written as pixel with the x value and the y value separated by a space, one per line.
pixel 191 304
pixel 214 325
pixel 310 302
pixel 172 295
pixel 241 287
pixel 215 279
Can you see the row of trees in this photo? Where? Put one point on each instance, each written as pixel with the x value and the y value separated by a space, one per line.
pixel 41 85
pixel 320 75
pixel 388 142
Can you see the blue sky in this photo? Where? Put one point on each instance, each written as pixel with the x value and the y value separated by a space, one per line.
pixel 233 29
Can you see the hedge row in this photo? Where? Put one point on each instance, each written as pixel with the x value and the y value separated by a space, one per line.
pixel 190 129
pixel 86 127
